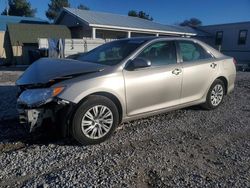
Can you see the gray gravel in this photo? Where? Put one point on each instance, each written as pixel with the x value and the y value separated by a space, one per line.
pixel 185 148
pixel 8 93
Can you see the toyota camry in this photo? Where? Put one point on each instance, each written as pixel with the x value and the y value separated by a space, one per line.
pixel 88 96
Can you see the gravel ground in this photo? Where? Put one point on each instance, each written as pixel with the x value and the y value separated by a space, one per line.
pixel 185 148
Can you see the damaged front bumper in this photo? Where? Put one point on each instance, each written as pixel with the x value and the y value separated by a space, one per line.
pixel 57 114
pixel 34 118
pixel 35 107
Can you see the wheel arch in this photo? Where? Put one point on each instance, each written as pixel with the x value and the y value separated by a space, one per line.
pixel 224 80
pixel 110 96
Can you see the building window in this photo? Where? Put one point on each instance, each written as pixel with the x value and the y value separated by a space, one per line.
pixel 242 37
pixel 218 38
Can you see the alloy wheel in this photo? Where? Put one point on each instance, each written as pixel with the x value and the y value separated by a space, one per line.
pixel 97 122
pixel 217 94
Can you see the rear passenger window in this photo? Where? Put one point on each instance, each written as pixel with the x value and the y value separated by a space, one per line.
pixel 160 53
pixel 191 51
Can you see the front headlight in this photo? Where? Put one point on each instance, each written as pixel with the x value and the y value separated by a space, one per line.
pixel 37 97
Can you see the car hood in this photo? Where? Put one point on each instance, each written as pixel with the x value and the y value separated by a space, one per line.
pixel 47 70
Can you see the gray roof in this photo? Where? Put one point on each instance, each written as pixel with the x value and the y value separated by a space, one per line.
pixel 198 30
pixel 227 24
pixel 4 20
pixel 109 20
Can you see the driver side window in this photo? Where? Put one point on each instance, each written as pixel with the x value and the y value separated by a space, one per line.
pixel 160 53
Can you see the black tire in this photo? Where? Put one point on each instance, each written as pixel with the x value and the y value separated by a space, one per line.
pixel 208 104
pixel 90 102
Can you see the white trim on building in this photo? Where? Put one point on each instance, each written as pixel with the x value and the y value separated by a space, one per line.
pixel 150 31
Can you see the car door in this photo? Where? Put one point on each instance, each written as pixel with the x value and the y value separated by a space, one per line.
pixel 155 87
pixel 199 70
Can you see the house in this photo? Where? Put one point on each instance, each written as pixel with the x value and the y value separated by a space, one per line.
pixel 231 39
pixel 92 24
pixel 24 38
pixel 4 20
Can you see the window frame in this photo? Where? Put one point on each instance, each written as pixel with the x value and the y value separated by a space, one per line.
pixel 122 62
pixel 216 38
pixel 239 40
pixel 195 43
pixel 154 42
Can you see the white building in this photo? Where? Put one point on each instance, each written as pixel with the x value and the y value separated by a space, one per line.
pixel 232 39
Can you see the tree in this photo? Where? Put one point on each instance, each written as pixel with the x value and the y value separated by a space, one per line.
pixel 140 14
pixel 19 8
pixel 192 22
pixel 55 7
pixel 83 7
pixel 132 13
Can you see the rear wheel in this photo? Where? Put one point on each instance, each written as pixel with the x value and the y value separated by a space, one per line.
pixel 215 95
pixel 95 120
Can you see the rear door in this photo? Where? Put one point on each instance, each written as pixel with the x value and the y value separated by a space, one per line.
pixel 156 87
pixel 199 70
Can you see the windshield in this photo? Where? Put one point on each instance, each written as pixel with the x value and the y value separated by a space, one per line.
pixel 111 53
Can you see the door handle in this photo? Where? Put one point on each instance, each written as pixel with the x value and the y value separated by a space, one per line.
pixel 213 65
pixel 176 71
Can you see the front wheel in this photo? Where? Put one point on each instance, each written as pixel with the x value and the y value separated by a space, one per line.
pixel 215 95
pixel 94 120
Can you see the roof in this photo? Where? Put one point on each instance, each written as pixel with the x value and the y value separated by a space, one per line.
pixel 29 33
pixel 199 31
pixel 4 20
pixel 123 22
pixel 227 24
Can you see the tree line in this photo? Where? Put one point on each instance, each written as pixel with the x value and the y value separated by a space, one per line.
pixel 24 8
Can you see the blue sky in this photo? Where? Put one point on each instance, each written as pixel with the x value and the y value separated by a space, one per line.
pixel 165 11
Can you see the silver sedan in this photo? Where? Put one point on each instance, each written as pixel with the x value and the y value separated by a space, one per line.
pixel 88 96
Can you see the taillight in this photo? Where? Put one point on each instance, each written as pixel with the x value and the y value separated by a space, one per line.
pixel 235 62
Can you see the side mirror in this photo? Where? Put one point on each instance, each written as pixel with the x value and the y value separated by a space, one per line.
pixel 138 63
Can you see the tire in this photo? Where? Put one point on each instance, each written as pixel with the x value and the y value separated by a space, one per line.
pixel 89 120
pixel 210 103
